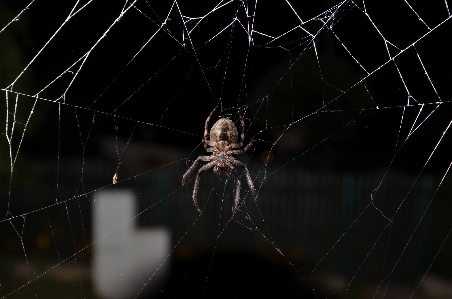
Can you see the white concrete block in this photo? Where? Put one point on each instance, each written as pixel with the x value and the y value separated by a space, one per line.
pixel 126 260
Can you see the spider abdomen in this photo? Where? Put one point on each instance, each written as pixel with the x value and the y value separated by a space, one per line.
pixel 224 130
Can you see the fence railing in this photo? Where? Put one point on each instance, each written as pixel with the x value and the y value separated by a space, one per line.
pixel 350 220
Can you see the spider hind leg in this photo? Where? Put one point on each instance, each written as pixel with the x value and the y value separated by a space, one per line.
pixel 197 180
pixel 193 166
pixel 236 198
pixel 237 190
pixel 247 176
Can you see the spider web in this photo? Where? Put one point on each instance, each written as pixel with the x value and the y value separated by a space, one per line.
pixel 348 103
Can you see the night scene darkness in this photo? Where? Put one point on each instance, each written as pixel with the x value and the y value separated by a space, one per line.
pixel 225 149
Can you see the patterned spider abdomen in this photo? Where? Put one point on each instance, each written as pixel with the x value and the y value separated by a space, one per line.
pixel 224 130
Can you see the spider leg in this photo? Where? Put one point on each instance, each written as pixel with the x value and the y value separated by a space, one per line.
pixel 248 145
pixel 198 177
pixel 247 175
pixel 206 128
pixel 241 151
pixel 237 190
pixel 193 166
pixel 242 133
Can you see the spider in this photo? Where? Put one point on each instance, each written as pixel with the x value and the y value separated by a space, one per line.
pixel 223 146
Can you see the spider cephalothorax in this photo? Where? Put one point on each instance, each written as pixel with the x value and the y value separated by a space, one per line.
pixel 223 146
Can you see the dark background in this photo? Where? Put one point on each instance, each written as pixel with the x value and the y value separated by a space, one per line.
pixel 338 139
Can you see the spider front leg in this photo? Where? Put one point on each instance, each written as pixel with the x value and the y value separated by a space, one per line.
pixel 196 187
pixel 247 175
pixel 193 166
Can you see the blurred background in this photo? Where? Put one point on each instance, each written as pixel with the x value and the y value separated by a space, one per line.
pixel 348 103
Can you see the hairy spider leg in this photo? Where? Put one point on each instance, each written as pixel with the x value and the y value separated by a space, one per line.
pixel 193 166
pixel 237 190
pixel 206 128
pixel 198 178
pixel 247 175
pixel 241 151
pixel 242 133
